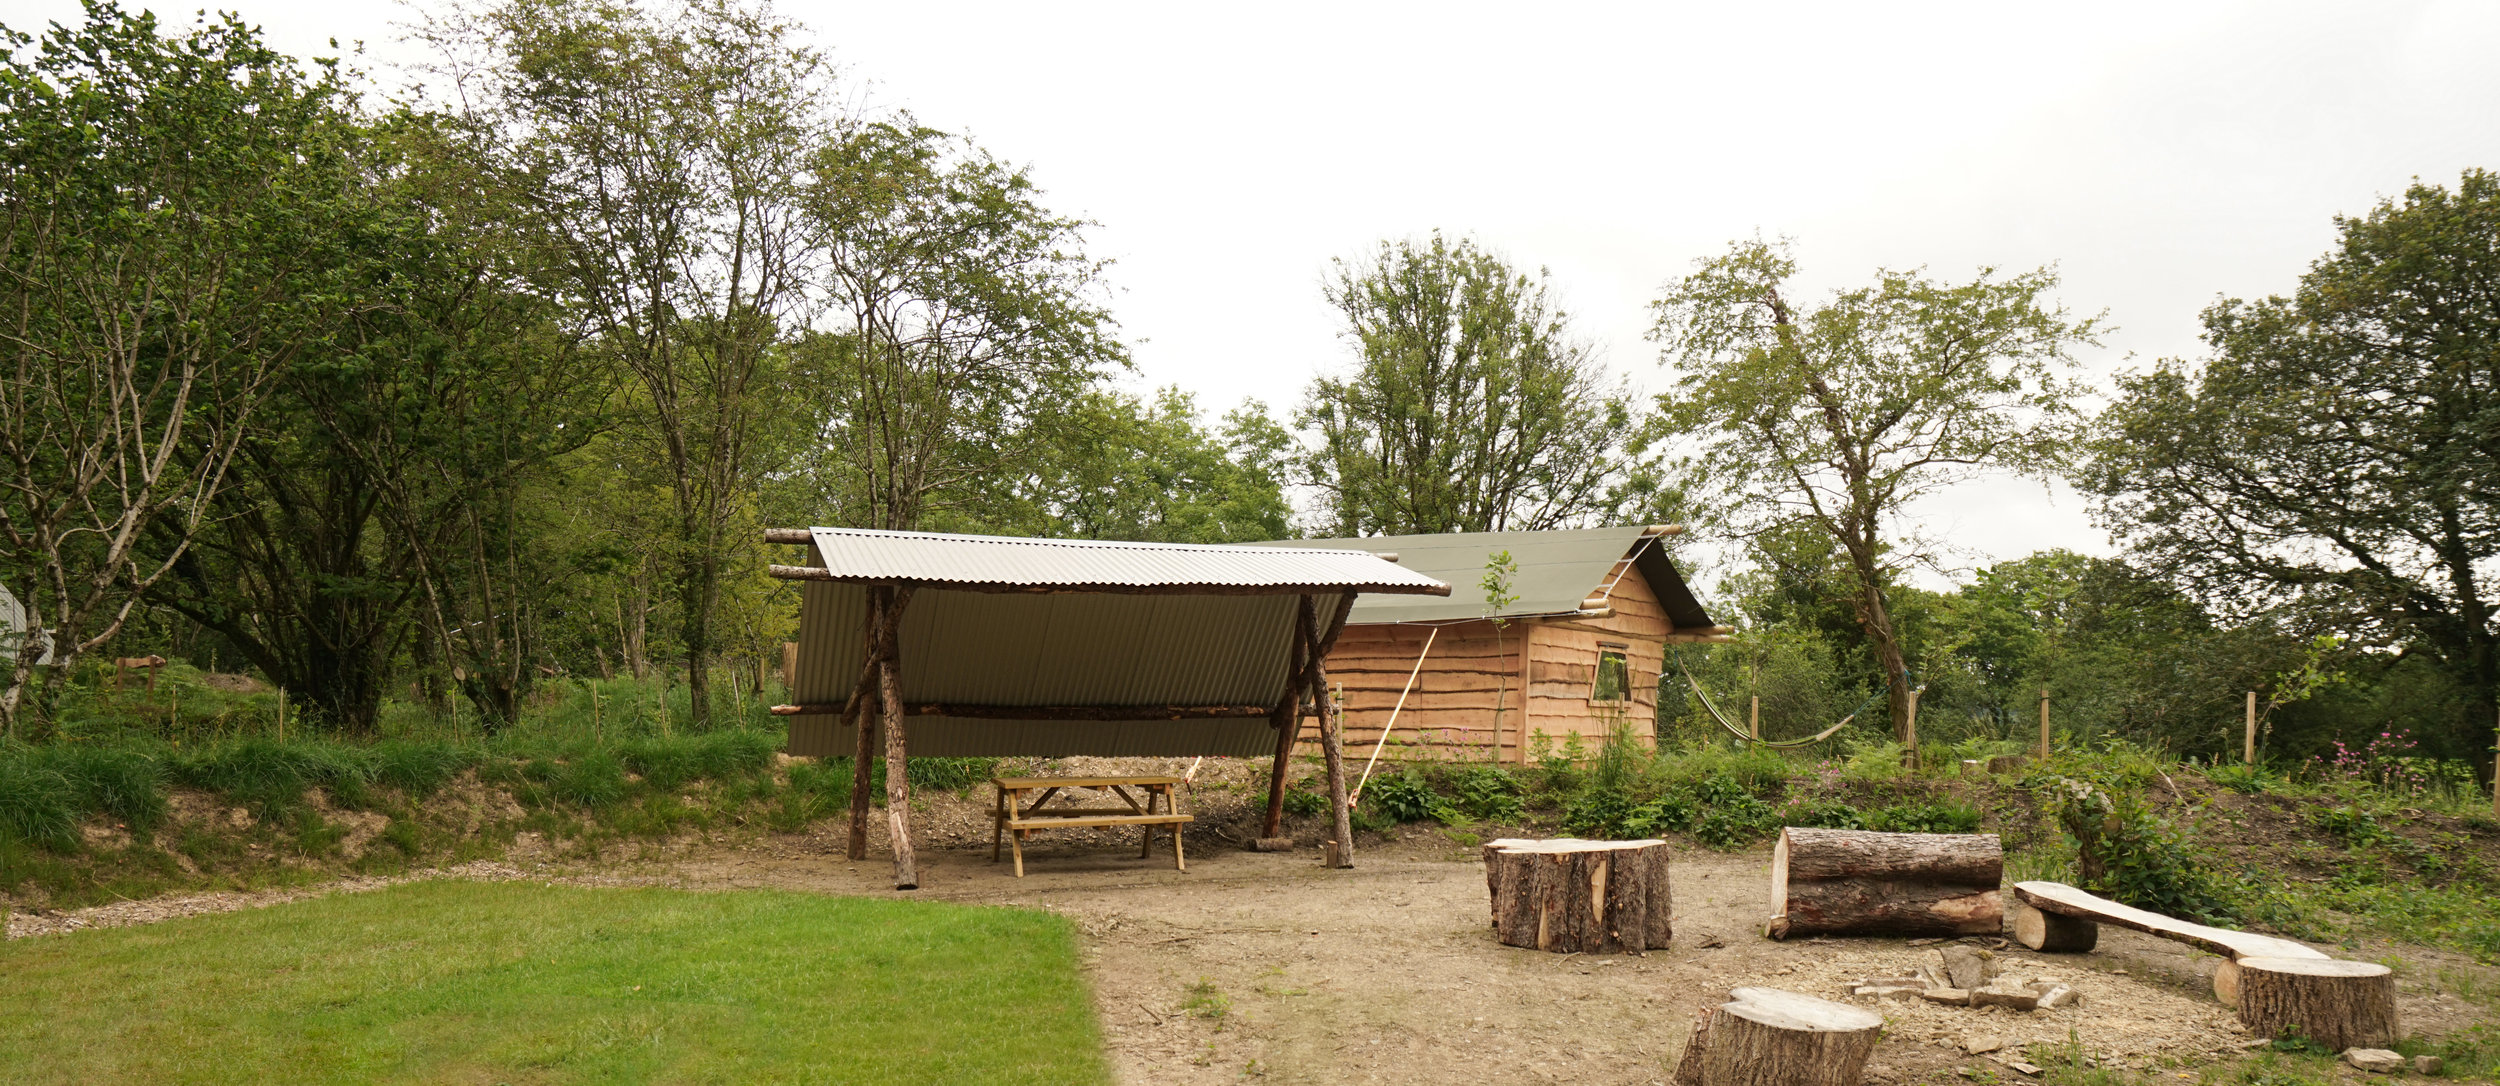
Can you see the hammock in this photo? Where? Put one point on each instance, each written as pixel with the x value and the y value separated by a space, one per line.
pixel 1741 734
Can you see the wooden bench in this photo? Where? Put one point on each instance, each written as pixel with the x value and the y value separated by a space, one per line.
pixel 2052 916
pixel 1014 817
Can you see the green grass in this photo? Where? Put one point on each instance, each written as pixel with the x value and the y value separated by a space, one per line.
pixel 522 983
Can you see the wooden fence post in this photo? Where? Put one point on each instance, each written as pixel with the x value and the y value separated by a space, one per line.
pixel 1753 719
pixel 1913 730
pixel 2248 751
pixel 2044 723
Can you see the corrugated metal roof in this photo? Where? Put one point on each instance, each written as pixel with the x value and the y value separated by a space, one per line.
pixel 1557 570
pixel 864 556
pixel 994 649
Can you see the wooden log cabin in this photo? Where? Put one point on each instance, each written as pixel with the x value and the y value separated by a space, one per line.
pixel 1579 647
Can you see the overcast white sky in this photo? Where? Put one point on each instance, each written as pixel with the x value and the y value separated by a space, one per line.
pixel 2160 153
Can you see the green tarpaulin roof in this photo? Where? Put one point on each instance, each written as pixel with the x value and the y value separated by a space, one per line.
pixel 1557 570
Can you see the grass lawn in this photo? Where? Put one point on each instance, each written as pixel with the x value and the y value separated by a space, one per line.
pixel 522 983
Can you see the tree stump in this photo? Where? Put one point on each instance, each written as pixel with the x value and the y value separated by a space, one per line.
pixel 1767 1037
pixel 2051 933
pixel 1836 882
pixel 1569 896
pixel 2338 1004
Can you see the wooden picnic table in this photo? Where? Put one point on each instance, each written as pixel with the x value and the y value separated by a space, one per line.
pixel 1016 817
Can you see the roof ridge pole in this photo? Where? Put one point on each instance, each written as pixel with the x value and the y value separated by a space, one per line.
pixel 888 602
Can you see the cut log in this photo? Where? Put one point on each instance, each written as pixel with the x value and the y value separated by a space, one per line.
pixel 2337 1004
pixel 1835 882
pixel 1572 896
pixel 1766 1037
pixel 2051 933
pixel 2064 900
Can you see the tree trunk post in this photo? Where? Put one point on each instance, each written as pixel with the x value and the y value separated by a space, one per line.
pixel 1753 718
pixel 2248 750
pixel 897 757
pixel 2044 723
pixel 863 756
pixel 1911 728
pixel 1331 739
pixel 1288 725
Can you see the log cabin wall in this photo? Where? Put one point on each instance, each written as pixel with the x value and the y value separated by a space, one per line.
pixel 1563 656
pixel 1466 704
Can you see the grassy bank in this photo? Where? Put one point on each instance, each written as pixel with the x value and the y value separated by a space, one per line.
pixel 460 981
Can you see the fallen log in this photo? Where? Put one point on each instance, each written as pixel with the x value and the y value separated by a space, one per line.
pixel 1834 882
pixel 1767 1037
pixel 1573 896
pixel 2338 1004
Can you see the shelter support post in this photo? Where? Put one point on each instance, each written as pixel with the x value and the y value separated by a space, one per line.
pixel 1288 725
pixel 1331 735
pixel 2044 723
pixel 887 602
pixel 864 753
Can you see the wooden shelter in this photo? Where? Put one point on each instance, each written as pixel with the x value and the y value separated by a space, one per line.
pixel 1578 648
pixel 921 643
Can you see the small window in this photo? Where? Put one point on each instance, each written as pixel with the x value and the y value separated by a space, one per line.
pixel 1614 678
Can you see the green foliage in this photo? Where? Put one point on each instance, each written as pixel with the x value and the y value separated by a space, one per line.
pixel 1937 816
pixel 2315 465
pixel 2128 852
pixel 1490 793
pixel 1303 801
pixel 271 777
pixel 594 779
pixel 1472 407
pixel 1404 796
pixel 2243 778
pixel 125 784
pixel 38 805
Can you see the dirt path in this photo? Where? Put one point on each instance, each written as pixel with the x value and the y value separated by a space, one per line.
pixel 1264 965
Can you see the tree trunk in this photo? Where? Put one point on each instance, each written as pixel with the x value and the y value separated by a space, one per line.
pixel 864 754
pixel 897 758
pixel 1826 882
pixel 1875 621
pixel 1766 1037
pixel 1569 896
pixel 2338 1004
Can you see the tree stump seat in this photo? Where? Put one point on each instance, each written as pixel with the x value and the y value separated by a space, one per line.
pixel 1572 896
pixel 1767 1037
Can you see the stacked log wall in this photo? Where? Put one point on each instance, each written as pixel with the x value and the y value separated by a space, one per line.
pixel 1562 664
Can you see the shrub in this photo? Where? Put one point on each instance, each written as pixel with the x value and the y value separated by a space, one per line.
pixel 2243 778
pixel 1935 816
pixel 2127 852
pixel 1828 814
pixel 1302 801
pixel 1404 797
pixel 1490 792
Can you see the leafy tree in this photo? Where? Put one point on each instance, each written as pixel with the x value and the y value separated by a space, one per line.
pixel 671 148
pixel 178 225
pixel 1839 416
pixel 1471 407
pixel 1117 467
pixel 962 313
pixel 2339 450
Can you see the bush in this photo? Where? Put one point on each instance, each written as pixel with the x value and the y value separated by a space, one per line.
pixel 1491 793
pixel 1935 816
pixel 1827 814
pixel 2128 853
pixel 1305 802
pixel 1404 797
